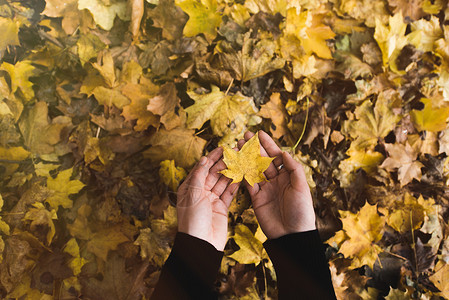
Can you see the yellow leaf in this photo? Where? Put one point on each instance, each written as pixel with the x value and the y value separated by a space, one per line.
pixel 268 6
pixel 362 231
pixel 179 144
pixel 77 262
pixel 372 122
pixel 391 39
pixel 20 74
pixel 430 118
pixel 171 175
pixel 88 47
pixel 62 187
pixel 227 113
pixel 10 33
pixel 167 226
pixel 309 29
pixel 12 154
pixel 137 110
pixel 257 57
pixel 409 213
pixel 106 240
pixel 40 136
pixel 110 97
pixel 44 170
pixel 439 278
pixel 204 17
pixel 251 249
pixel 246 163
pixel 104 15
pixel 39 216
pixel 152 247
pixel 425 33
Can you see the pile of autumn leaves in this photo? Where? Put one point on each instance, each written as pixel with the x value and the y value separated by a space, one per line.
pixel 106 105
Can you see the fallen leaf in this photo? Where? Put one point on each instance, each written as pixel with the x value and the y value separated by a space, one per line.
pixel 10 33
pixel 179 144
pixel 246 163
pixel 204 17
pixel 40 216
pixel 20 74
pixel 403 158
pixel 171 175
pixel 275 111
pixel 430 118
pixel 439 278
pixel 251 249
pixel 62 187
pixel 104 12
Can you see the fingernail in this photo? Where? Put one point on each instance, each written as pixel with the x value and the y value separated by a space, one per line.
pixel 203 161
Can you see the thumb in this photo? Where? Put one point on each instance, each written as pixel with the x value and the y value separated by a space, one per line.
pixel 297 175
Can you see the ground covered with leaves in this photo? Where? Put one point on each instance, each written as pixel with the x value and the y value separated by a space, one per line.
pixel 106 105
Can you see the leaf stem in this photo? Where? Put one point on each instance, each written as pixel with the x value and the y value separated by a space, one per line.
pixel 265 280
pixel 229 87
pixel 303 128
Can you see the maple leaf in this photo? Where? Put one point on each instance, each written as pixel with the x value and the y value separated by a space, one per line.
pixel 105 240
pixel 179 144
pixel 89 45
pixel 10 33
pixel 391 39
pixel 309 29
pixel 410 9
pixel 439 278
pixel 152 247
pixel 104 14
pixel 275 111
pixel 425 33
pixel 372 122
pixel 251 249
pixel 171 175
pixel 359 234
pixel 20 74
pixel 77 262
pixel 430 118
pixel 403 158
pixel 227 113
pixel 137 109
pixel 257 58
pixel 204 17
pixel 364 10
pixel 61 188
pixel 39 216
pixel 409 213
pixel 170 18
pixel 246 163
pixel 12 154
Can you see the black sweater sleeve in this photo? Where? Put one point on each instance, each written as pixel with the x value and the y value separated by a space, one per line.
pixel 301 267
pixel 190 270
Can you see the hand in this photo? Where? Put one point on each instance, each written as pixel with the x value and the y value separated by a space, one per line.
pixel 282 204
pixel 203 201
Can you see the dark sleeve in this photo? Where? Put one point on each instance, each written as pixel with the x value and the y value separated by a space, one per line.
pixel 301 267
pixel 190 270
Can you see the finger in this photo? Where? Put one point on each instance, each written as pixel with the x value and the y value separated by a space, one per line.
pixel 229 193
pixel 199 173
pixel 252 190
pixel 270 147
pixel 215 155
pixel 221 185
pixel 271 171
pixel 214 174
pixel 297 175
pixel 240 143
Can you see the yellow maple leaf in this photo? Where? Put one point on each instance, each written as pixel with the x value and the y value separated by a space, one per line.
pixel 20 74
pixel 77 262
pixel 246 163
pixel 39 215
pixel 226 112
pixel 104 15
pixel 251 249
pixel 152 247
pixel 171 175
pixel 309 29
pixel 425 34
pixel 204 17
pixel 61 188
pixel 106 240
pixel 88 47
pixel 359 234
pixel 391 39
pixel 12 154
pixel 430 118
pixel 179 144
pixel 10 33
